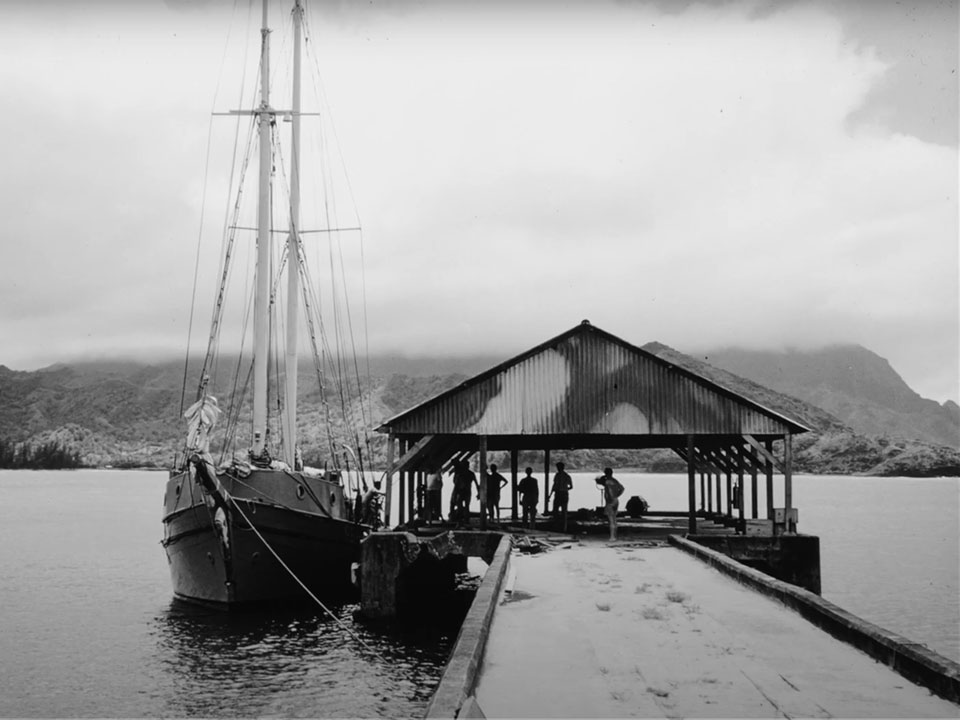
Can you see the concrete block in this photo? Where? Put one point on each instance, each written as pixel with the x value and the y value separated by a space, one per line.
pixel 759 528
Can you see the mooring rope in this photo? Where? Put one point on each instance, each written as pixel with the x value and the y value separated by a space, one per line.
pixel 299 581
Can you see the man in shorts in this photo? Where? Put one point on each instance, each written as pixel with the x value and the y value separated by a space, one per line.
pixel 612 490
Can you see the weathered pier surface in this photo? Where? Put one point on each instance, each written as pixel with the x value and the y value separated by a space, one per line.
pixel 642 629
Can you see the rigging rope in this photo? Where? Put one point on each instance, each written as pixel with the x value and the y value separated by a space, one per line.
pixel 286 567
pixel 203 208
pixel 318 89
pixel 229 235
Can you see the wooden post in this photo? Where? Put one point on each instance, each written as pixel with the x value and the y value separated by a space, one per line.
pixel 719 496
pixel 729 493
pixel 482 442
pixel 514 470
pixel 546 481
pixel 740 489
pixel 753 492
pixel 769 468
pixel 418 494
pixel 709 493
pixel 402 505
pixel 411 493
pixel 391 442
pixel 788 480
pixel 691 489
pixel 702 493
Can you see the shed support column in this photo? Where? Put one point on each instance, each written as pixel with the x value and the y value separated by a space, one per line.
pixel 546 481
pixel 740 489
pixel 709 478
pixel 788 481
pixel 769 468
pixel 482 442
pixel 729 494
pixel 514 469
pixel 753 492
pixel 719 496
pixel 703 494
pixel 411 494
pixel 391 442
pixel 403 487
pixel 691 489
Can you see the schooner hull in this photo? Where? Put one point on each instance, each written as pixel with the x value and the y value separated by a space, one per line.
pixel 221 561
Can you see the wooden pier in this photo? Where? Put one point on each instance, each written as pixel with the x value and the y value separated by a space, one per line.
pixel 643 627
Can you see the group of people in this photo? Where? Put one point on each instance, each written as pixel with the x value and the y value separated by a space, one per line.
pixel 465 482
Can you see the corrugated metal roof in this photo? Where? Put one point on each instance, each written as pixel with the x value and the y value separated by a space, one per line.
pixel 587 381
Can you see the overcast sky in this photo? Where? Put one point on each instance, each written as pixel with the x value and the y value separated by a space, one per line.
pixel 710 174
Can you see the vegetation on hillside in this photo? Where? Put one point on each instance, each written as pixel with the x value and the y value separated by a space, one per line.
pixel 44 456
pixel 128 415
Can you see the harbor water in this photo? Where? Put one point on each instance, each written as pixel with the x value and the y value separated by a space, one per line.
pixel 88 627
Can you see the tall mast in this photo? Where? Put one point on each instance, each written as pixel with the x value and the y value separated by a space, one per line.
pixel 293 255
pixel 261 318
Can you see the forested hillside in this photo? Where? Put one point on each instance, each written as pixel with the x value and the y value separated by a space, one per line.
pixel 126 414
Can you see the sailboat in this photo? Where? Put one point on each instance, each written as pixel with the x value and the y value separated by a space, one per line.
pixel 260 527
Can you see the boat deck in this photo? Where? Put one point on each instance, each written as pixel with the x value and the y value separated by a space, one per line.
pixel 640 629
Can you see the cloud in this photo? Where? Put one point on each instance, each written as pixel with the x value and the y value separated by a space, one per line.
pixel 702 177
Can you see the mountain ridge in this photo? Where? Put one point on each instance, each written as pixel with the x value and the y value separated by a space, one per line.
pixel 127 413
pixel 851 382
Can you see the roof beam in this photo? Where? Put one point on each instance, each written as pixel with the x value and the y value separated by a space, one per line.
pixel 762 451
pixel 412 454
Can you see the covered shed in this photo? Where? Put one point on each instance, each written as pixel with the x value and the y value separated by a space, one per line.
pixel 587 388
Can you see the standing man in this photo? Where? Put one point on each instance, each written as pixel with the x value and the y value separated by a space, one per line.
pixel 562 484
pixel 464 480
pixel 612 490
pixel 434 491
pixel 494 481
pixel 529 497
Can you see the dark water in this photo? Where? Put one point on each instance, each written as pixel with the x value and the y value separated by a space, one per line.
pixel 88 627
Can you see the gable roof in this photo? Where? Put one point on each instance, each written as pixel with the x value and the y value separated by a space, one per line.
pixel 584 382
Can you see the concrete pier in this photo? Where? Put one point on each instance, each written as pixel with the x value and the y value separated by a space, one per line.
pixel 642 629
pixel 402 574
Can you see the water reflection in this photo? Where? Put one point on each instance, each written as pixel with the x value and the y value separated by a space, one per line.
pixel 297 663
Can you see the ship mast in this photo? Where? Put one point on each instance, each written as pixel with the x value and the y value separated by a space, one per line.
pixel 261 318
pixel 293 256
